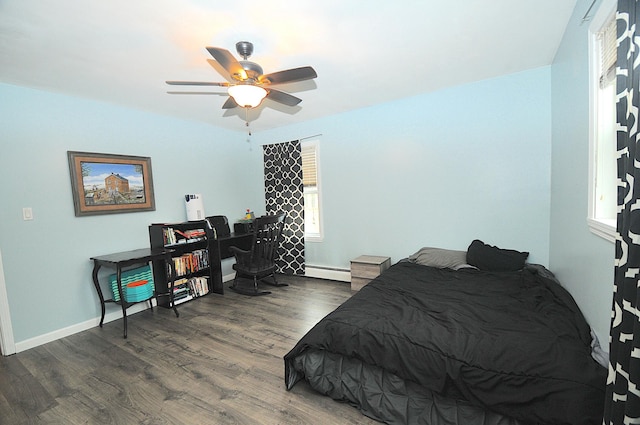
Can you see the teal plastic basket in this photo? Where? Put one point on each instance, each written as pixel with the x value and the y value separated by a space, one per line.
pixel 133 289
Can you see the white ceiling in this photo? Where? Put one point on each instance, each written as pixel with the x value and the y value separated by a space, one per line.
pixel 365 52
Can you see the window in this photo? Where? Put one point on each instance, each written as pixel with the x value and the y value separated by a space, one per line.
pixel 311 182
pixel 602 133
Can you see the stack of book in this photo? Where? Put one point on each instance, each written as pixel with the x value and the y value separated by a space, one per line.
pixel 173 236
pixel 199 286
pixel 187 289
pixel 191 262
pixel 169 236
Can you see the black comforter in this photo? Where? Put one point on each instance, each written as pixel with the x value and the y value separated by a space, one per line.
pixel 514 343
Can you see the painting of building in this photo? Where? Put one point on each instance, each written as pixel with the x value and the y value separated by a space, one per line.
pixel 116 183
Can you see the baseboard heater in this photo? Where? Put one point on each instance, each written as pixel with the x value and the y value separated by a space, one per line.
pixel 320 272
pixel 330 273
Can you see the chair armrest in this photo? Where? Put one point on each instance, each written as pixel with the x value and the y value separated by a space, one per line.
pixel 241 255
pixel 235 250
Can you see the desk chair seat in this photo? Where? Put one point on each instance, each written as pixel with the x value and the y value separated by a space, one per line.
pixel 259 262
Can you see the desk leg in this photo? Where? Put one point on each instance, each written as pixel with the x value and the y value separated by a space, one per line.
pixel 123 302
pixel 96 267
pixel 215 264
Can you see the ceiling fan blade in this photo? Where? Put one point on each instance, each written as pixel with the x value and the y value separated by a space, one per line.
pixel 220 70
pixel 282 97
pixel 228 62
pixel 196 92
pixel 196 83
pixel 229 104
pixel 289 76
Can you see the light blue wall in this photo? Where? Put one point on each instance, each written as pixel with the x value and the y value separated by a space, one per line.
pixel 436 170
pixel 582 261
pixel 46 261
pixel 433 170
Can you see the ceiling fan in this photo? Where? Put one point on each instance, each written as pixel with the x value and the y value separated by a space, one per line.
pixel 247 85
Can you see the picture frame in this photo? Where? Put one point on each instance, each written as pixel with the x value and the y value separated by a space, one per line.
pixel 109 183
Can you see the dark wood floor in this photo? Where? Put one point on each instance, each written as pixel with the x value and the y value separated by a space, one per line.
pixel 220 362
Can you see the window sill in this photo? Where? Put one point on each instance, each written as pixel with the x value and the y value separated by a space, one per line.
pixel 604 228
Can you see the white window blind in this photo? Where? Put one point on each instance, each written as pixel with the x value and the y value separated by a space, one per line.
pixel 309 166
pixel 311 181
pixel 601 217
pixel 608 53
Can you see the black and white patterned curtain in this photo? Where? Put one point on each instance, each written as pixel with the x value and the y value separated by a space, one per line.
pixel 283 191
pixel 622 405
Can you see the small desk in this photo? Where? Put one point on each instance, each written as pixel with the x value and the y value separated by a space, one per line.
pixel 219 250
pixel 121 260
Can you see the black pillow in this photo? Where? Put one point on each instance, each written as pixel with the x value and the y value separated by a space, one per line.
pixel 494 259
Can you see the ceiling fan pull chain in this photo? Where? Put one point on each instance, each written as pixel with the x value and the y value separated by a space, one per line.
pixel 246 110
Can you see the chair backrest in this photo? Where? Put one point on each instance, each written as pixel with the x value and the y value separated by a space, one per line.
pixel 267 233
pixel 220 224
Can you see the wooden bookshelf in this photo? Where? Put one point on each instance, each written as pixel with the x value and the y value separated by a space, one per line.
pixel 191 256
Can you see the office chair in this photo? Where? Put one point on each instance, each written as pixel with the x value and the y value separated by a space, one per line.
pixel 220 224
pixel 260 261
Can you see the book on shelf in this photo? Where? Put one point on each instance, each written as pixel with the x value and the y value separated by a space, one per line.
pixel 189 234
pixel 178 282
pixel 191 262
pixel 190 288
pixel 180 291
pixel 173 236
pixel 199 286
pixel 168 236
pixel 182 300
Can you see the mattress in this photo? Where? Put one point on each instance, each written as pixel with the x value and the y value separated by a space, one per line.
pixel 505 347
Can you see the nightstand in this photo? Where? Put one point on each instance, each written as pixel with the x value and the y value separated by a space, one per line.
pixel 365 268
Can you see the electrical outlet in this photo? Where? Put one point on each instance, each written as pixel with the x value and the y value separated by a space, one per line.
pixel 27 213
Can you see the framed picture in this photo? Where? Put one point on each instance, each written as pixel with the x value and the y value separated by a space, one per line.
pixel 106 184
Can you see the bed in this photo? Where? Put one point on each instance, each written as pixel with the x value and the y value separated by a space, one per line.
pixel 453 337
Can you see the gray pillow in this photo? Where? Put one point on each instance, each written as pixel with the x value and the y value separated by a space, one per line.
pixel 440 258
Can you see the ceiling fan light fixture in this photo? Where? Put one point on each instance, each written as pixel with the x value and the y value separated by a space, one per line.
pixel 247 96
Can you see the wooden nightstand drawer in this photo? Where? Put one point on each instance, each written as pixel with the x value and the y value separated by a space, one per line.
pixel 365 268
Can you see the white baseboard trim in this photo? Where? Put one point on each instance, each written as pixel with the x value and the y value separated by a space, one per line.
pixel 327 273
pixel 7 344
pixel 311 271
pixel 83 326
pixel 78 327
